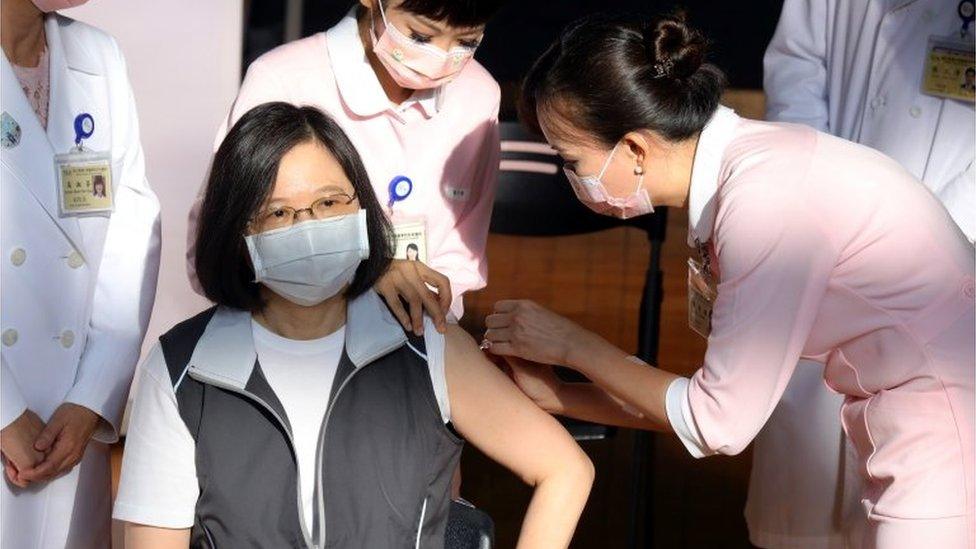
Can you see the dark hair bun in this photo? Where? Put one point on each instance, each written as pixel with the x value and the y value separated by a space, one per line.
pixel 676 50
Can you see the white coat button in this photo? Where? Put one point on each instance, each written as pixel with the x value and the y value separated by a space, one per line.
pixel 877 102
pixel 18 257
pixel 75 260
pixel 915 111
pixel 9 337
pixel 67 339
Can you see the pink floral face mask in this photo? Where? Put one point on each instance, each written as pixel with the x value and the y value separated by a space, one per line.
pixel 414 65
pixel 593 193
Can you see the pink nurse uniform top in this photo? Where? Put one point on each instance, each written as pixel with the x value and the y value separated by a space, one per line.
pixel 445 140
pixel 830 250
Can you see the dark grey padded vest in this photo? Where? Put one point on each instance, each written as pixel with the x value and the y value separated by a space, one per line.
pixel 385 456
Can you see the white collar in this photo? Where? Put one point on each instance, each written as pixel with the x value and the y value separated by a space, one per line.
pixel 705 172
pixel 225 353
pixel 357 82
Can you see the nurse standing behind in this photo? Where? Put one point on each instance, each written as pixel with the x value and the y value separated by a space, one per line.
pixel 810 246
pixel 79 272
pixel 399 77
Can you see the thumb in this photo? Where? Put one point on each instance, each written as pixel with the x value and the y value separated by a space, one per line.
pixel 49 434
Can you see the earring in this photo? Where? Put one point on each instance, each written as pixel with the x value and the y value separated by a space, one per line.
pixel 638 170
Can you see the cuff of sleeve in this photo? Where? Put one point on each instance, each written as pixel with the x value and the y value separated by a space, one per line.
pixel 152 516
pixel 683 423
pixel 107 431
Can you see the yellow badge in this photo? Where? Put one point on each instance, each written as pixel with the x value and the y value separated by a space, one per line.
pixel 84 183
pixel 950 69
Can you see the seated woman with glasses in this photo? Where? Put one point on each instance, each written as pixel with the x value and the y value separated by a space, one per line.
pixel 297 412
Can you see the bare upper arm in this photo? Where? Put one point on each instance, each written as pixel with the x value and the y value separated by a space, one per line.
pixel 493 415
pixel 141 536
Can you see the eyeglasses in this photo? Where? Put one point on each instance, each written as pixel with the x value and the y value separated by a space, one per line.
pixel 286 216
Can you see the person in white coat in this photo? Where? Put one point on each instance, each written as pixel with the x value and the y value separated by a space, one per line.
pixel 852 68
pixel 79 279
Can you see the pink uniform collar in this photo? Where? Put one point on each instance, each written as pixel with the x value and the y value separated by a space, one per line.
pixel 357 83
pixel 706 171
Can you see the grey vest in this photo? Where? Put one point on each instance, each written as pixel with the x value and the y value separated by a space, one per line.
pixel 385 456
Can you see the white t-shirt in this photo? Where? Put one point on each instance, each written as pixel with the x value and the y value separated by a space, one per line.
pixel 159 486
pixel 300 373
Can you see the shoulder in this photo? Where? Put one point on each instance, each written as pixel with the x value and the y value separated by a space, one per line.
pixel 177 345
pixel 476 90
pixel 74 32
pixel 295 57
pixel 89 48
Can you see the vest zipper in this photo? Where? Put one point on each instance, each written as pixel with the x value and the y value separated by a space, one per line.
pixel 420 525
pixel 210 540
pixel 320 452
pixel 291 440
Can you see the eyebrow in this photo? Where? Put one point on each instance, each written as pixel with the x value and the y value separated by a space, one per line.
pixel 321 189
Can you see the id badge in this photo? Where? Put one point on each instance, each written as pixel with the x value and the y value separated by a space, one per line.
pixel 950 68
pixel 701 298
pixel 411 240
pixel 84 180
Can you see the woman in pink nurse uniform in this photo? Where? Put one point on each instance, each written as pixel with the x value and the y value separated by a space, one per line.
pixel 400 78
pixel 818 248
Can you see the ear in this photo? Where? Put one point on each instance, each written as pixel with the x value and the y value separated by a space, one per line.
pixel 638 147
pixel 368 4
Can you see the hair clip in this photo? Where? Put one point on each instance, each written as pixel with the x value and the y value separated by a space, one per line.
pixel 663 68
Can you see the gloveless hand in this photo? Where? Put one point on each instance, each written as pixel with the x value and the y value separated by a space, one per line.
pixel 527 330
pixel 63 441
pixel 17 446
pixel 409 280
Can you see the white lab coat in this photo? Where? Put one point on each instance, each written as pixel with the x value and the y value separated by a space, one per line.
pixel 852 68
pixel 77 292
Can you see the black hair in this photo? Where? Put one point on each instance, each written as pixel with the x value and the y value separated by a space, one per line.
pixel 242 176
pixel 413 247
pixel 456 13
pixel 609 76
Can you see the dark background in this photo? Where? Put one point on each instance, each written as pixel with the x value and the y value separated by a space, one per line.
pixel 522 29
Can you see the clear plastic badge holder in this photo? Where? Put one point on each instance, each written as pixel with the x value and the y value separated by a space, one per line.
pixel 701 298
pixel 84 181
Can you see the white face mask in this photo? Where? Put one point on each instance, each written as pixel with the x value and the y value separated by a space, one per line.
pixel 311 261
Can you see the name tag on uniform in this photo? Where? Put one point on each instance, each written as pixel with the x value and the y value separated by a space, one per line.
pixel 84 177
pixel 455 193
pixel 411 240
pixel 84 183
pixel 701 298
pixel 950 68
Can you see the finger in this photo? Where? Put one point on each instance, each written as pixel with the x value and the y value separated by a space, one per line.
pixel 51 464
pixel 498 335
pixel 498 320
pixel 501 349
pixel 50 433
pixel 506 305
pixel 14 476
pixel 396 307
pixel 433 307
pixel 416 312
pixel 439 281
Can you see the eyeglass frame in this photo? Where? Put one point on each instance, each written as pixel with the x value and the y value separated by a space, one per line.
pixel 253 223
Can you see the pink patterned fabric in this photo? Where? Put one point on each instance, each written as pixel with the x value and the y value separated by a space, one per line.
pixel 36 83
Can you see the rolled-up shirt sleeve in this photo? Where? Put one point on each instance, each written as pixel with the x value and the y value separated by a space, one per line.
pixel 774 261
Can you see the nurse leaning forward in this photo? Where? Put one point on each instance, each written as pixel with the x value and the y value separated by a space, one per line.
pixel 80 256
pixel 809 246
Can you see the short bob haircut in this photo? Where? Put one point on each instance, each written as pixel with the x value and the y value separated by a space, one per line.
pixel 242 177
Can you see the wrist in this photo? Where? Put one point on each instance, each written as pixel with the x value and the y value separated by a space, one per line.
pixel 583 350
